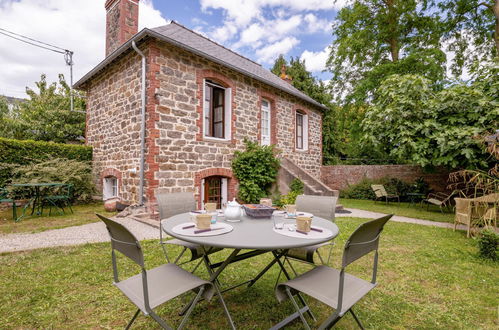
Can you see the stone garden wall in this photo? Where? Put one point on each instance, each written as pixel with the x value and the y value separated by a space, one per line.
pixel 340 176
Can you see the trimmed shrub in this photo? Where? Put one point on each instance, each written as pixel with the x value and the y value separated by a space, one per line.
pixel 23 152
pixel 487 244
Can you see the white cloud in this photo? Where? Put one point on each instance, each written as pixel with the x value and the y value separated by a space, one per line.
pixel 315 24
pixel 243 11
pixel 315 61
pixel 78 25
pixel 268 53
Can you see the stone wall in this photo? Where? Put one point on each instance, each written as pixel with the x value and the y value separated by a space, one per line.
pixel 178 156
pixel 113 125
pixel 182 150
pixel 340 176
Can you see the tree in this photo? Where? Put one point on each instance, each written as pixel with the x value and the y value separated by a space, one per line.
pixel 412 121
pixel 471 31
pixel 46 115
pixel 377 38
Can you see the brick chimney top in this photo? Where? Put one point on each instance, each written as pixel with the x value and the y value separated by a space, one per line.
pixel 284 76
pixel 122 22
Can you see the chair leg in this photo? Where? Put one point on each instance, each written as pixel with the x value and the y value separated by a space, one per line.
pixel 356 319
pixel 191 308
pixel 297 308
pixel 133 319
pixel 330 321
pixel 161 322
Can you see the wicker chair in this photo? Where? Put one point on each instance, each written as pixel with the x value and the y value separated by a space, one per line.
pixel 473 211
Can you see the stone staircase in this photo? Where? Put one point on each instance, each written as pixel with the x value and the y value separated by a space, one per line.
pixel 312 186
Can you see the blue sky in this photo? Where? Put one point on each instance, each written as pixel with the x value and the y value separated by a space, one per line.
pixel 261 29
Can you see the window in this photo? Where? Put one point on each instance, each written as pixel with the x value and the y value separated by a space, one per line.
pixel 301 131
pixel 216 110
pixel 265 125
pixel 214 190
pixel 110 187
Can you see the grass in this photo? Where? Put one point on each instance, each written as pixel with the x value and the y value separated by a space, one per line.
pixel 82 214
pixel 402 209
pixel 428 278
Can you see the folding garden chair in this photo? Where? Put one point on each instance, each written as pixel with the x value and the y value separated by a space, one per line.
pixel 440 199
pixel 171 204
pixel 380 192
pixel 321 206
pixel 152 287
pixel 4 198
pixel 61 199
pixel 333 287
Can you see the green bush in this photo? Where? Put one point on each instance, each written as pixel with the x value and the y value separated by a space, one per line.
pixel 487 244
pixel 255 169
pixel 295 188
pixel 23 152
pixel 363 190
pixel 70 171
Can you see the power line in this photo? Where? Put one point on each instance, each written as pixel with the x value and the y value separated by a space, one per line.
pixel 62 50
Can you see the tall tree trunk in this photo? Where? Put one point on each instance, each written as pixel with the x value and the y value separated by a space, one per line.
pixel 393 21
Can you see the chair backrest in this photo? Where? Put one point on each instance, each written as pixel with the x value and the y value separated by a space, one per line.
pixel 123 241
pixel 321 206
pixel 364 240
pixel 379 190
pixel 170 204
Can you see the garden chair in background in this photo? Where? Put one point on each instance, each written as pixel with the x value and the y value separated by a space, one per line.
pixel 152 287
pixel 472 212
pixel 380 192
pixel 321 206
pixel 336 288
pixel 440 199
pixel 4 198
pixel 170 204
pixel 62 198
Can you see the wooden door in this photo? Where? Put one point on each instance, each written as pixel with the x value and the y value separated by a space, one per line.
pixel 213 190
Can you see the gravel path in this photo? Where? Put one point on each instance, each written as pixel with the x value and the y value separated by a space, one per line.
pixel 89 233
pixel 96 232
pixel 373 215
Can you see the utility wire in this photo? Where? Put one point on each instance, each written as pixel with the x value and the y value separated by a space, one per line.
pixel 62 50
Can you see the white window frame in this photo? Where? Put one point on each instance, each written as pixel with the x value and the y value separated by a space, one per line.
pixel 227 113
pixel 305 132
pixel 110 187
pixel 265 139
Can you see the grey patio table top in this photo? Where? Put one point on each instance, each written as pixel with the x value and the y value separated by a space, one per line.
pixel 250 233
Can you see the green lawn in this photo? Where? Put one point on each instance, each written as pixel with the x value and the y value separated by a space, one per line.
pixel 403 209
pixel 428 278
pixel 82 214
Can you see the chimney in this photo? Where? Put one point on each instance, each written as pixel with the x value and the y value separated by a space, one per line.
pixel 122 18
pixel 284 76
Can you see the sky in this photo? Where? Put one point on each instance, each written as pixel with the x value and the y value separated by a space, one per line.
pixel 257 29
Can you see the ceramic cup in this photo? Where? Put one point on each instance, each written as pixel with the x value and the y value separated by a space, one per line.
pixel 291 209
pixel 203 221
pixel 303 223
pixel 266 201
pixel 210 207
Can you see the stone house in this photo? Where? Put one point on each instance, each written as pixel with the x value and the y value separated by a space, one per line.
pixel 201 101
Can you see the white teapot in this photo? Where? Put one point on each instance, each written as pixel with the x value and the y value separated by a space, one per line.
pixel 233 211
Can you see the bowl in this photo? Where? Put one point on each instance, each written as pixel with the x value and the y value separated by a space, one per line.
pixel 258 211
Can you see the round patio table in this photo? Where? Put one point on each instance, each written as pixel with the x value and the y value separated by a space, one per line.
pixel 250 233
pixel 257 235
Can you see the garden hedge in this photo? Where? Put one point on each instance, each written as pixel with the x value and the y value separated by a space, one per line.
pixel 24 152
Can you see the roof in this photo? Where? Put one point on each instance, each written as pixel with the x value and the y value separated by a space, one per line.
pixel 191 41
